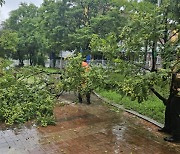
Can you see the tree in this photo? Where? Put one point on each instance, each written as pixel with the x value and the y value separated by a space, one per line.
pixel 24 21
pixel 147 29
pixel 53 21
pixel 107 46
pixel 2 2
pixel 80 80
pixel 8 43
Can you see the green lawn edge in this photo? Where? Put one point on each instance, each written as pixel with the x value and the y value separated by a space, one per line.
pixel 152 108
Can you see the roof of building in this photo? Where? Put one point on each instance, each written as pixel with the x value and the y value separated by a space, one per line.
pixel 66 54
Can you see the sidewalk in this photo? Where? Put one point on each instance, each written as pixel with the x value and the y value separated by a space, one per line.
pixel 87 129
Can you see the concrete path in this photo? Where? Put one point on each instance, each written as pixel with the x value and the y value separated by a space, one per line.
pixel 87 129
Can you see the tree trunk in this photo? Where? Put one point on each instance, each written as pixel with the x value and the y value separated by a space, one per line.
pixel 52 59
pixel 169 111
pixel 164 100
pixel 154 46
pixel 145 54
pixel 61 61
pixel 175 118
pixel 165 32
pixel 21 63
pixel 30 58
pixel 41 60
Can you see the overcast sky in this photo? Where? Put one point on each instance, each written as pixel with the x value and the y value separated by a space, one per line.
pixel 12 5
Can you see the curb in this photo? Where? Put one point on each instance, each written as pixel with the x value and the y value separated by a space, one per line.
pixel 130 111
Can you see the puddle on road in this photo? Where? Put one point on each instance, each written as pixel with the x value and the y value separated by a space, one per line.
pixel 19 140
pixel 119 131
pixel 87 129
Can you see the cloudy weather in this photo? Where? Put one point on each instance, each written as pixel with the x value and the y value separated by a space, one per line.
pixel 12 5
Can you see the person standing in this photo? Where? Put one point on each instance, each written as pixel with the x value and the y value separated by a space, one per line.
pixel 84 84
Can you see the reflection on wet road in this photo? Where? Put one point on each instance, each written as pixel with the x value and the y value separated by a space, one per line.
pixel 87 129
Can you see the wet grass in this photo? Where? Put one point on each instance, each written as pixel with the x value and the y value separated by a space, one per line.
pixel 153 108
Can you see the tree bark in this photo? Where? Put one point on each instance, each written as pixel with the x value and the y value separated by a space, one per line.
pixel 164 100
pixel 154 46
pixel 52 59
pixel 145 53
pixel 169 121
pixel 21 63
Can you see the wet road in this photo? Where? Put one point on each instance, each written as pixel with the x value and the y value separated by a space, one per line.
pixel 87 129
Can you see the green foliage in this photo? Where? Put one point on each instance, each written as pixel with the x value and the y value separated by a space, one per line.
pixel 2 2
pixel 21 101
pixel 3 65
pixel 31 42
pixel 152 107
pixel 146 32
pixel 61 25
pixel 123 32
pixel 139 86
pixel 80 39
pixel 107 46
pixel 82 79
pixel 8 43
pixel 128 80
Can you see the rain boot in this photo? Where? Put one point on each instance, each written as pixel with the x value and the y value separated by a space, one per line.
pixel 88 98
pixel 80 98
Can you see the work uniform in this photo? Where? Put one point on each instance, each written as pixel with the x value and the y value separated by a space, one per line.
pixel 85 65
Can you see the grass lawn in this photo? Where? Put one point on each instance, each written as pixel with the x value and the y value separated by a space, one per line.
pixel 152 108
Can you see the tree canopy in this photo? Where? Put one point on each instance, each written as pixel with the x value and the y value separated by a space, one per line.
pixel 124 32
pixel 2 2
